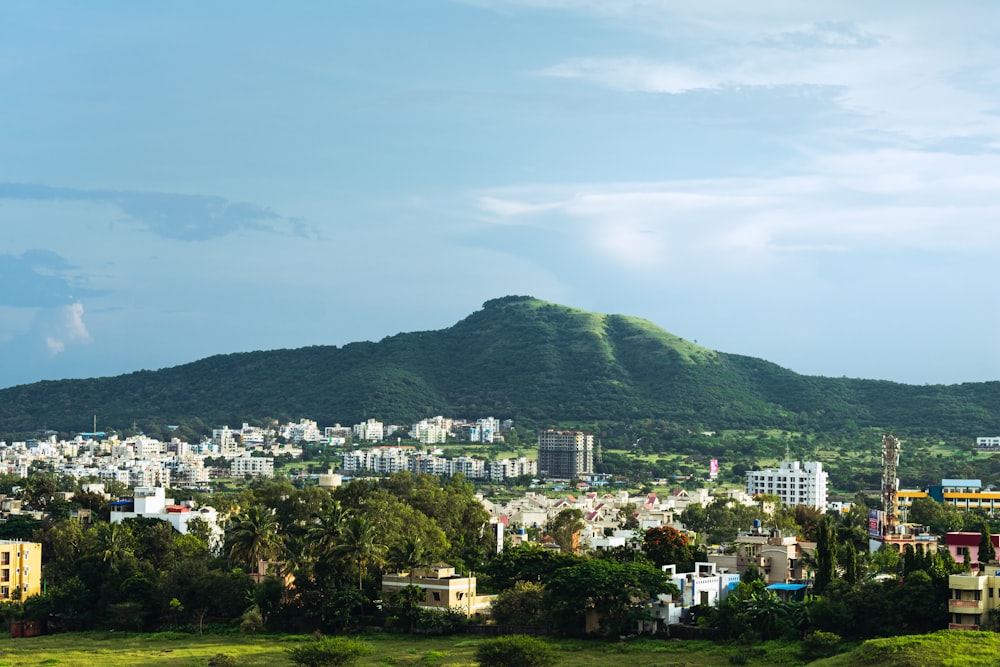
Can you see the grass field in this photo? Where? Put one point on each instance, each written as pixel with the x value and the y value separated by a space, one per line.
pixel 107 649
pixel 178 650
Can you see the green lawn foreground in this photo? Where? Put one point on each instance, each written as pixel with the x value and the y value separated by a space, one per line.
pixel 108 649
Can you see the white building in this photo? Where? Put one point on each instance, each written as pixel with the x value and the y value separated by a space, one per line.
pixel 511 468
pixel 429 433
pixel 369 431
pixel 151 502
pixel 988 442
pixel 255 466
pixel 487 429
pixel 225 441
pixel 793 482
pixel 305 431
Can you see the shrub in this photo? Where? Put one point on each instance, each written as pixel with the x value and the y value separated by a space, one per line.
pixel 222 660
pixel 329 652
pixel 820 644
pixel 515 651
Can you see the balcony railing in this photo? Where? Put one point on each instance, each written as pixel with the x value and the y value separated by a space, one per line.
pixel 963 626
pixel 972 604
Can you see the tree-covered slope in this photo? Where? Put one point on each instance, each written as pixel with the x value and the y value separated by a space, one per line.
pixel 517 357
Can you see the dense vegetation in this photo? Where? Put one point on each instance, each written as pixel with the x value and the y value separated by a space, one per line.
pixel 519 358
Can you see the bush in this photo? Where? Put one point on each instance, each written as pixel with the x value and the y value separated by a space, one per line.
pixel 329 652
pixel 222 660
pixel 515 651
pixel 820 644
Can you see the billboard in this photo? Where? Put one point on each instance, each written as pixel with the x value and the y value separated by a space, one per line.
pixel 713 468
pixel 875 523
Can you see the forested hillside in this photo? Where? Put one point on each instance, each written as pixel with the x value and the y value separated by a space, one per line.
pixel 519 358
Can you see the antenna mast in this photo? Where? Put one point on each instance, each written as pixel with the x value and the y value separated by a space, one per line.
pixel 890 482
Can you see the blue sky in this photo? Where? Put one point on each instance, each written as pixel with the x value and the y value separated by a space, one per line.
pixel 810 183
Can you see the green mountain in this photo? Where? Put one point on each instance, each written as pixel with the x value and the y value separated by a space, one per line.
pixel 517 357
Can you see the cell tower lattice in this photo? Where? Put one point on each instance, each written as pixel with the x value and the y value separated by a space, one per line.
pixel 890 482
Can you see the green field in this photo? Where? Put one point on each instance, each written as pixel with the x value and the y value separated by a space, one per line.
pixel 176 650
pixel 944 648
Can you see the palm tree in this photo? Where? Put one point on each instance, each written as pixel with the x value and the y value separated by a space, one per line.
pixel 410 555
pixel 113 542
pixel 253 537
pixel 359 543
pixel 323 534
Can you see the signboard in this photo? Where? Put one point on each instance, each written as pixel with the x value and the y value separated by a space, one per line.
pixel 875 523
pixel 713 468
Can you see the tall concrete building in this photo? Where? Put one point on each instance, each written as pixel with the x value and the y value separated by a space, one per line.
pixel 565 454
pixel 793 482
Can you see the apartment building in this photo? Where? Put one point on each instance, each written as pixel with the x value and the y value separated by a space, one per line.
pixel 972 597
pixel 20 569
pixel 565 454
pixel 255 466
pixel 794 482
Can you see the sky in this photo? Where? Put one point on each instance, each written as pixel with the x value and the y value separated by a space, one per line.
pixel 815 184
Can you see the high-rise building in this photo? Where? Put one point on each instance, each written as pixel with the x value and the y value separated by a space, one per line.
pixel 793 482
pixel 565 454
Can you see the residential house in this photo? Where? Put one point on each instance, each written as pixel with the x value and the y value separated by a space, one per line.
pixel 443 589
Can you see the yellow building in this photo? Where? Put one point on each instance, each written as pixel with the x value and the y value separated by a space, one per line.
pixel 443 589
pixel 20 569
pixel 972 597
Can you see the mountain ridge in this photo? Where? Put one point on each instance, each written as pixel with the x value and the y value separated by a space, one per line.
pixel 517 357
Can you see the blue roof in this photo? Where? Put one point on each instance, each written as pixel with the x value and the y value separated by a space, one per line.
pixel 786 587
pixel 962 482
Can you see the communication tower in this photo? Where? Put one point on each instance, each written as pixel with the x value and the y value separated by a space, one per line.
pixel 890 482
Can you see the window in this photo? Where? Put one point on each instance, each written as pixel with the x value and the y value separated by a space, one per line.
pixel 437 596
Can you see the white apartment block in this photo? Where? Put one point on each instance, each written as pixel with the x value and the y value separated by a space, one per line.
pixel 305 431
pixel 793 482
pixel 511 468
pixel 369 431
pixel 487 429
pixel 255 466
pixel 429 433
pixel 253 436
pixel 224 441
pixel 988 442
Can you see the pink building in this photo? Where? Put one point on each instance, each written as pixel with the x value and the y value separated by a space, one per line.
pixel 958 543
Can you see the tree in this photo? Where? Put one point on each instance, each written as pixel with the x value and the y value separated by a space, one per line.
pixel 526 605
pixel 515 651
pixel 668 546
pixel 987 554
pixel 564 529
pixel 826 562
pixel 253 537
pixel 617 593
pixel 113 543
pixel 360 544
pixel 409 556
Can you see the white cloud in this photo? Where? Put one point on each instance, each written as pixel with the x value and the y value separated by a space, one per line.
pixel 864 202
pixel 65 326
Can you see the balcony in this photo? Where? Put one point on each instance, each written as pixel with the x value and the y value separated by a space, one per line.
pixel 968 604
pixel 963 626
